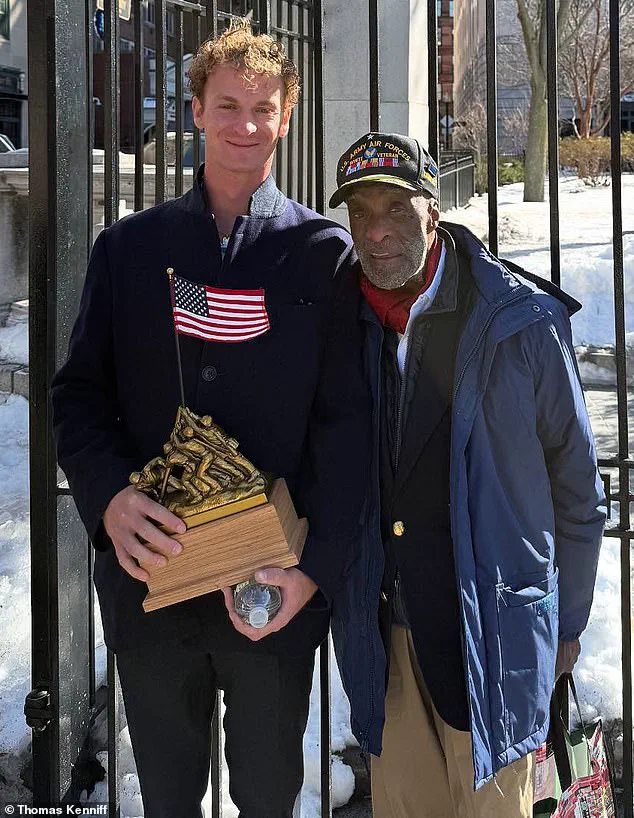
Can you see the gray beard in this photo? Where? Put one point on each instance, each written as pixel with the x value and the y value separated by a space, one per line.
pixel 391 280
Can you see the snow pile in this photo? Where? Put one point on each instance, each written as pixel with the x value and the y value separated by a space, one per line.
pixel 598 671
pixel 586 247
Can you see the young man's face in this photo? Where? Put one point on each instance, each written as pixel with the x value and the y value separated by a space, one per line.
pixel 243 118
pixel 392 229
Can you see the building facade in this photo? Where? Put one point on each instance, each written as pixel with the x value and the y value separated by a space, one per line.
pixel 13 72
pixel 445 12
pixel 513 87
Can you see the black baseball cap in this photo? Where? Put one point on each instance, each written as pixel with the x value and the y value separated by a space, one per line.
pixel 390 158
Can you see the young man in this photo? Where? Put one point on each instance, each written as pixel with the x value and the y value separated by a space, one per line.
pixel 485 512
pixel 296 405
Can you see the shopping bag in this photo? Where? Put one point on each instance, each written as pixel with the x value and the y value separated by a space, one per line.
pixel 573 777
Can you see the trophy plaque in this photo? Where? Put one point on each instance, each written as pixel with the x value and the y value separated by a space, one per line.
pixel 237 519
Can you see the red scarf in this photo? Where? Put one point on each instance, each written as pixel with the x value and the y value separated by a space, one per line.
pixel 391 306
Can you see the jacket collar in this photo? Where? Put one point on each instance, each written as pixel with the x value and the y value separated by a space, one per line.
pixel 446 299
pixel 267 202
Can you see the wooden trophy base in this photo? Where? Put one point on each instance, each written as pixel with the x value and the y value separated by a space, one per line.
pixel 229 550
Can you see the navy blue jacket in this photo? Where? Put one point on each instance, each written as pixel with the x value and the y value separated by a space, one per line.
pixel 527 514
pixel 297 406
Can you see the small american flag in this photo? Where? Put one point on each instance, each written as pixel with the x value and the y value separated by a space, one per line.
pixel 228 316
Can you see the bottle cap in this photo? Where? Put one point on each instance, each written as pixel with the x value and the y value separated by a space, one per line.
pixel 258 617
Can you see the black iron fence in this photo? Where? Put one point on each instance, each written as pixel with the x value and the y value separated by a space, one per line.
pixel 65 697
pixel 457 178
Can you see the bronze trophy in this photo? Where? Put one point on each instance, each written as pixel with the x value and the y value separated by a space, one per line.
pixel 237 519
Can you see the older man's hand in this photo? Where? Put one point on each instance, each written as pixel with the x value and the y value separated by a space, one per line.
pixel 567 655
pixel 296 588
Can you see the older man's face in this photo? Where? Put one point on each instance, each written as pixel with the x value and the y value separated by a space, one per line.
pixel 393 229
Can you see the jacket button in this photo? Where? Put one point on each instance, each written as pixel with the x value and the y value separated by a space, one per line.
pixel 398 528
pixel 536 308
pixel 209 373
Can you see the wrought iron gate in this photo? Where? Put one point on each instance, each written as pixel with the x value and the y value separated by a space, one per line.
pixel 61 32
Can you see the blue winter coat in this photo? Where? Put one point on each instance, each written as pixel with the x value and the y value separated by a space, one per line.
pixel 527 516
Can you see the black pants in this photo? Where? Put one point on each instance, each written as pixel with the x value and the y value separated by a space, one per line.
pixel 169 694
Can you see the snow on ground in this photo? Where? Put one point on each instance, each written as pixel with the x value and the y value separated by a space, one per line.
pixel 14 343
pixel 524 227
pixel 586 246
pixel 15 614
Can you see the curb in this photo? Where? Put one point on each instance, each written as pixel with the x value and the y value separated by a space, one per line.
pixel 14 379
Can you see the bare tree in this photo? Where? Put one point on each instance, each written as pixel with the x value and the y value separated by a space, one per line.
pixel 515 124
pixel 532 17
pixel 470 130
pixel 584 68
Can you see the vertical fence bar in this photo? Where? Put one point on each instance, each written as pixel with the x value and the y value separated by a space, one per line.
pixel 301 108
pixel 90 111
pixel 433 137
pixel 278 153
pixel 320 159
pixel 212 18
pixel 312 157
pixel 114 728
pixel 492 123
pixel 59 231
pixel 42 328
pixel 375 65
pixel 196 132
pixel 161 96
pixel 111 114
pixel 139 95
pixel 90 44
pixel 290 139
pixel 180 102
pixel 216 760
pixel 324 719
pixel 553 139
pixel 264 15
pixel 320 192
pixel 622 396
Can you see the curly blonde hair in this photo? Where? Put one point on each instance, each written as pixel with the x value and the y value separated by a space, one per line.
pixel 246 51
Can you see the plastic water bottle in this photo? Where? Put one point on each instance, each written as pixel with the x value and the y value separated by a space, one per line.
pixel 255 603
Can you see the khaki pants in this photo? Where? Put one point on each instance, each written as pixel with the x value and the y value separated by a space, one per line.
pixel 426 769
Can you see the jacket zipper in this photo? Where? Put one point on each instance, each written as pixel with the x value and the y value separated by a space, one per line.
pixel 478 341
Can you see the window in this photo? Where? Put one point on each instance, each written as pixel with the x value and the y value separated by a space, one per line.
pixel 451 8
pixel 4 19
pixel 438 8
pixel 170 23
pixel 148 12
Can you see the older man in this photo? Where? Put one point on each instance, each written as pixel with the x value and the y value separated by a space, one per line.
pixel 485 511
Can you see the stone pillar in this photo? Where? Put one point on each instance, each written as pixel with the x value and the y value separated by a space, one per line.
pixel 403 66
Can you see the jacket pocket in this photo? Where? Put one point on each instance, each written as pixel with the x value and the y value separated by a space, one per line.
pixel 528 626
